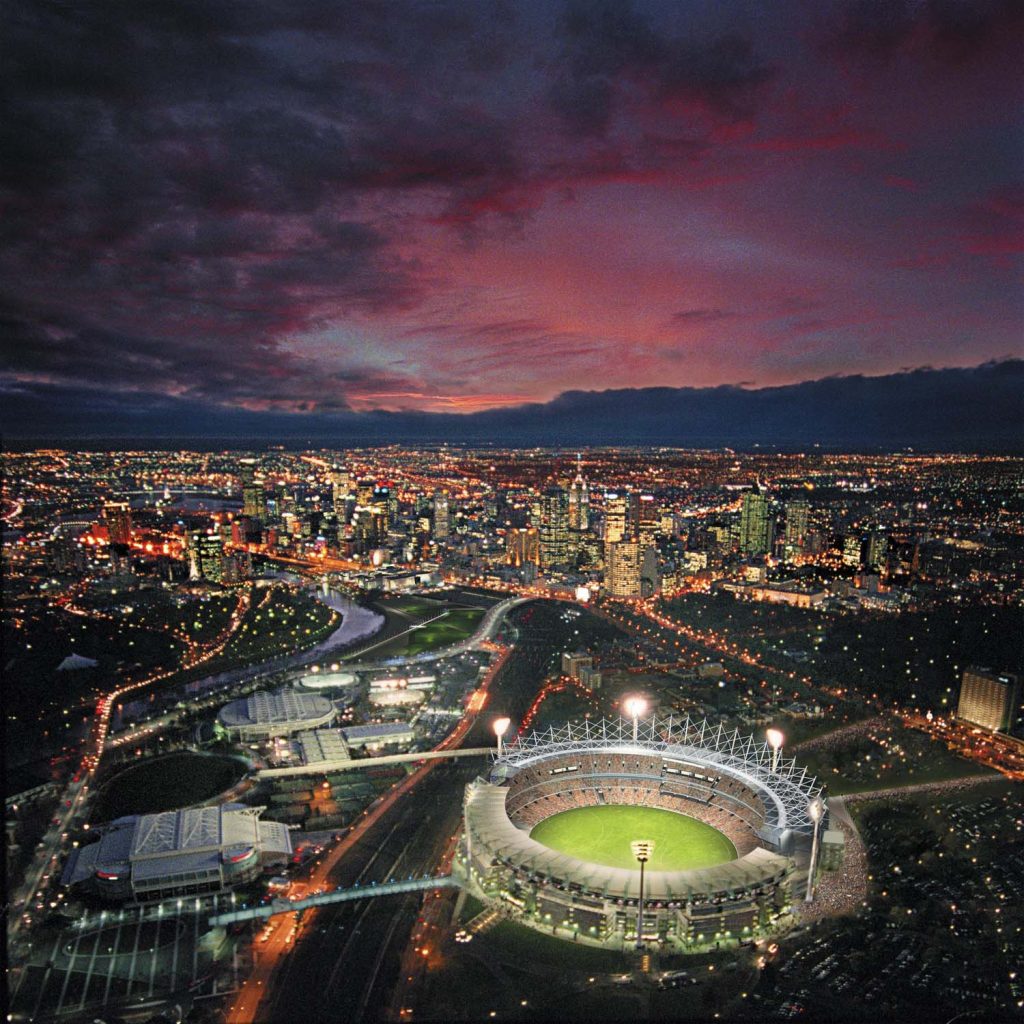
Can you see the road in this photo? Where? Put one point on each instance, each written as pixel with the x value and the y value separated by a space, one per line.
pixel 335 867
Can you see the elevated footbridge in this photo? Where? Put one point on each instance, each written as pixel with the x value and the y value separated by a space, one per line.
pixel 358 892
pixel 354 764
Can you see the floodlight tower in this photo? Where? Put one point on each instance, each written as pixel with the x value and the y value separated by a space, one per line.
pixel 500 728
pixel 775 741
pixel 642 850
pixel 814 809
pixel 635 707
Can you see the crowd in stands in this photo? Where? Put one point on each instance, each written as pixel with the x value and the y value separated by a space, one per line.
pixel 590 779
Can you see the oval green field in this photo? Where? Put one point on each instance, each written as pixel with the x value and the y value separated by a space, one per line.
pixel 602 835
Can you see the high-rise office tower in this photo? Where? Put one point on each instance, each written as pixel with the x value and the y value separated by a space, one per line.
pixel 554 527
pixel 440 515
pixel 755 526
pixel 650 580
pixel 253 504
pixel 382 506
pixel 616 514
pixel 622 568
pixel 878 550
pixel 117 515
pixel 798 517
pixel 206 551
pixel 989 699
pixel 648 519
pixel 579 500
pixel 522 545
pixel 853 547
pixel 340 486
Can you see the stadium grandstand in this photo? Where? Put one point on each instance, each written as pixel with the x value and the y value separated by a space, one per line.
pixel 729 854
pixel 178 853
pixel 266 714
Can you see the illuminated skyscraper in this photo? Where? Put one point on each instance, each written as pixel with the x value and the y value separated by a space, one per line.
pixel 554 527
pixel 622 568
pixel 616 508
pixel 522 546
pixel 648 519
pixel 253 503
pixel 878 550
pixel 206 551
pixel 340 487
pixel 798 515
pixel 755 527
pixel 579 500
pixel 117 515
pixel 853 547
pixel 440 515
pixel 989 699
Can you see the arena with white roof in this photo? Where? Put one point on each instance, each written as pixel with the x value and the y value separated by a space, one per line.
pixel 736 785
pixel 179 853
pixel 266 714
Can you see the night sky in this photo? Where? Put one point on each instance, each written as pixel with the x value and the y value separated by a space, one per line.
pixel 254 216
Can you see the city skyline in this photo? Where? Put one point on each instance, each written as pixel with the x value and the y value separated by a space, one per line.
pixel 299 220
pixel 690 733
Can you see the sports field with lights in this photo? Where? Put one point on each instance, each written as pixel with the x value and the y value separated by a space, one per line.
pixel 602 835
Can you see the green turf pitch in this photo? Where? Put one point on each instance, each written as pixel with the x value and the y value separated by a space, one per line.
pixel 602 835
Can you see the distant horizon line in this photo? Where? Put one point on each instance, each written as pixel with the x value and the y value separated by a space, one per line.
pixel 229 443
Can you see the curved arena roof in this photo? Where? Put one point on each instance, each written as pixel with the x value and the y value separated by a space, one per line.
pixel 786 791
pixel 281 707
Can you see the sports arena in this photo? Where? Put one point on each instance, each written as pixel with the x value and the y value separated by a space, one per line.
pixel 549 836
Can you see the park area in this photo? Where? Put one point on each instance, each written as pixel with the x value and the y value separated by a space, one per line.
pixel 603 834
pixel 166 783
pixel 883 755
pixel 419 625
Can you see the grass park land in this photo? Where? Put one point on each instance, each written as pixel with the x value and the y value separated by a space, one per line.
pixel 419 625
pixel 888 755
pixel 166 783
pixel 603 835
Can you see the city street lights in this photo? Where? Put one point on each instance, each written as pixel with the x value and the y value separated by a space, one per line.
pixel 500 728
pixel 635 707
pixel 642 850
pixel 814 809
pixel 775 741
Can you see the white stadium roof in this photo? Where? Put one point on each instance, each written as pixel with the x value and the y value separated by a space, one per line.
pixel 280 707
pixel 786 790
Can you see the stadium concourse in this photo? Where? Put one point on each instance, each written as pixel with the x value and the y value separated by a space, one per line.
pixel 701 893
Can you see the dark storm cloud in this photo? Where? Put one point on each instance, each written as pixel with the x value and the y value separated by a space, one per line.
pixel 608 45
pixel 946 30
pixel 186 184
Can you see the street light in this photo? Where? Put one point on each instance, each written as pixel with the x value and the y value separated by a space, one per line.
pixel 635 707
pixel 775 741
pixel 642 850
pixel 815 809
pixel 500 728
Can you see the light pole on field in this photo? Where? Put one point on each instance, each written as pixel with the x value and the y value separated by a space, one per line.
pixel 642 850
pixel 635 707
pixel 814 809
pixel 500 728
pixel 775 741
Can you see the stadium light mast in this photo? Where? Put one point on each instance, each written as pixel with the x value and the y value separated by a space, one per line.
pixel 500 728
pixel 814 809
pixel 642 850
pixel 635 707
pixel 775 741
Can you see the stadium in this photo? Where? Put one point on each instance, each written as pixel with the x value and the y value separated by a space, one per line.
pixel 549 836
pixel 178 853
pixel 265 715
